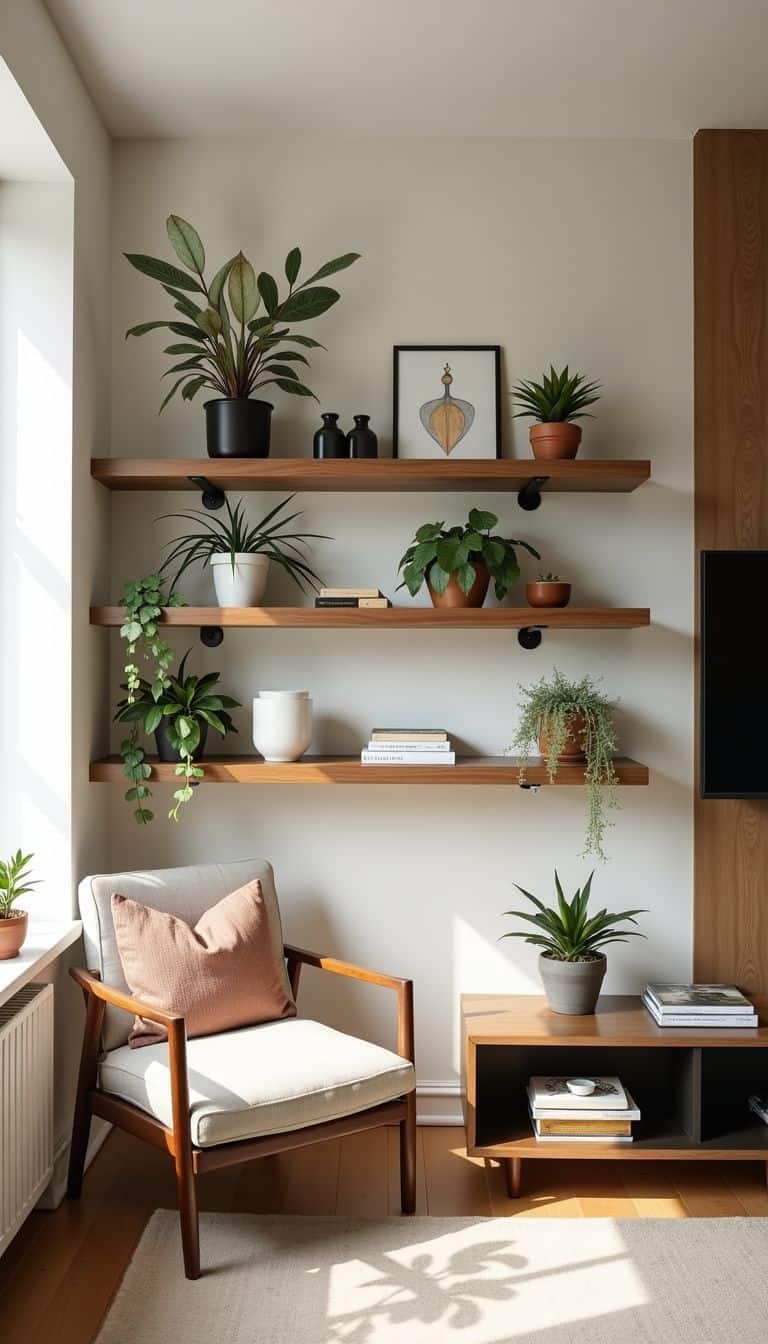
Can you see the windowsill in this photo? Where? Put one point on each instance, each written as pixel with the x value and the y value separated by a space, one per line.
pixel 44 944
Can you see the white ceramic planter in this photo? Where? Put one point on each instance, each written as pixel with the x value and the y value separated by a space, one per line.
pixel 243 587
pixel 282 724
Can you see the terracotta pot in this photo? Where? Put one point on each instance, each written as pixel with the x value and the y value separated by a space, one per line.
pixel 555 440
pixel 546 594
pixel 13 931
pixel 572 747
pixel 453 595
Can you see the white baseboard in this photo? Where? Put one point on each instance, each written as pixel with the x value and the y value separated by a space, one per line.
pixel 438 1103
pixel 56 1188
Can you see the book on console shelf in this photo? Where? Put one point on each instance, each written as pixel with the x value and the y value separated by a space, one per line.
pixel 705 1019
pixel 721 1000
pixel 559 1117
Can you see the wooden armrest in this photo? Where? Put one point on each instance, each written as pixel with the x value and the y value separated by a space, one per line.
pixel 92 984
pixel 299 956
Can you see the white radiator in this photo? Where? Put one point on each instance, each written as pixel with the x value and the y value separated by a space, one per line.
pixel 26 1104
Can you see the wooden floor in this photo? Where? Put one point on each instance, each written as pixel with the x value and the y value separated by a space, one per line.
pixel 58 1276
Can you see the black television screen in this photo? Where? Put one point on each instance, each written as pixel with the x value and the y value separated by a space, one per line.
pixel 734 674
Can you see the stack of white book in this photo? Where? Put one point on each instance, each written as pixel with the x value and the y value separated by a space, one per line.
pixel 560 1115
pixel 699 1006
pixel 408 746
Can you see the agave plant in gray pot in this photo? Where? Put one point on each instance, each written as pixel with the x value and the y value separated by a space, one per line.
pixel 572 964
pixel 227 344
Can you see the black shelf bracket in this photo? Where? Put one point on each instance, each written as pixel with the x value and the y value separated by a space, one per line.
pixel 211 636
pixel 213 497
pixel 529 637
pixel 529 498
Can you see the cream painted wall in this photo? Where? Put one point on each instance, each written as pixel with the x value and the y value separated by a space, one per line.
pixel 564 251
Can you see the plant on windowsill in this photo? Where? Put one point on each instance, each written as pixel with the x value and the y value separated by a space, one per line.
pixel 570 721
pixel 15 881
pixel 179 717
pixel 239 556
pixel 458 563
pixel 572 964
pixel 555 402
pixel 226 347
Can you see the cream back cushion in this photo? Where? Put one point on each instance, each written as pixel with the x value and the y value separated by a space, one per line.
pixel 186 892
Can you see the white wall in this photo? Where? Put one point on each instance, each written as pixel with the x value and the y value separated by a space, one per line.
pixel 577 252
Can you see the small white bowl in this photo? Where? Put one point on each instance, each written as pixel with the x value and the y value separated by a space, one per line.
pixel 581 1087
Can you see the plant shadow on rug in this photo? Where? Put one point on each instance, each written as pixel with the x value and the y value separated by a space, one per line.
pixel 303 1280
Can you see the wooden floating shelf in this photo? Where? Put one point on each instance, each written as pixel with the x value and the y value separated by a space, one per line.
pixel 470 770
pixel 382 474
pixel 394 618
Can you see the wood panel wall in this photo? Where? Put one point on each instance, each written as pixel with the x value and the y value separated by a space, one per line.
pixel 731 511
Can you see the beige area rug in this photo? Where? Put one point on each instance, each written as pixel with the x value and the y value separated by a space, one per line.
pixel 281 1280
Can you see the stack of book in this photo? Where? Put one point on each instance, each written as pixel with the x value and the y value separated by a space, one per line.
pixel 408 746
pixel 699 1006
pixel 560 1116
pixel 352 597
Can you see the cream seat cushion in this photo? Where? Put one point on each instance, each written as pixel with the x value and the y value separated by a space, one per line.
pixel 265 1079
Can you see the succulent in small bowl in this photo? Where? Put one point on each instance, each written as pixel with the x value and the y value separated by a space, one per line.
pixel 549 590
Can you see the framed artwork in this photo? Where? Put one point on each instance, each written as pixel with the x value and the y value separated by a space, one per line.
pixel 446 401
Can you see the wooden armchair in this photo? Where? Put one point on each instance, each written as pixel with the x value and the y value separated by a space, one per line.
pixel 224 1099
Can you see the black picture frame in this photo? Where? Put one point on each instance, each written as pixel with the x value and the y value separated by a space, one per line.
pixel 397 350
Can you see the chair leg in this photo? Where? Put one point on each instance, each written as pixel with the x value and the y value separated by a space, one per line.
pixel 86 1081
pixel 408 1157
pixel 188 1217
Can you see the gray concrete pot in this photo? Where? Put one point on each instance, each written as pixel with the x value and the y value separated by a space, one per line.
pixel 572 986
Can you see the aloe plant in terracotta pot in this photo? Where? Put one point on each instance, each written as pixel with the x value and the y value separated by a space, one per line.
pixel 555 403
pixel 572 963
pixel 458 563
pixel 15 882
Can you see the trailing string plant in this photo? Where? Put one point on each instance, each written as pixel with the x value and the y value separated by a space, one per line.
pixel 558 397
pixel 143 601
pixel 436 553
pixel 551 712
pixel 185 708
pixel 231 535
pixel 15 881
pixel 570 933
pixel 227 347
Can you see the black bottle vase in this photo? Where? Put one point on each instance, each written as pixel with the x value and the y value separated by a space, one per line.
pixel 330 441
pixel 361 441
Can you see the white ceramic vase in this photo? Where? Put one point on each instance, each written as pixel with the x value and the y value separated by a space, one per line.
pixel 282 724
pixel 243 585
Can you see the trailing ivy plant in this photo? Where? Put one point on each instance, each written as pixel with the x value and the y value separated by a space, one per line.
pixel 436 553
pixel 143 601
pixel 226 346
pixel 556 708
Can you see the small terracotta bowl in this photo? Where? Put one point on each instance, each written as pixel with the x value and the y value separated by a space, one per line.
pixel 540 594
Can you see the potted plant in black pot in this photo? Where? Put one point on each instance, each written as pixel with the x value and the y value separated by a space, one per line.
pixel 572 963
pixel 458 563
pixel 179 715
pixel 227 345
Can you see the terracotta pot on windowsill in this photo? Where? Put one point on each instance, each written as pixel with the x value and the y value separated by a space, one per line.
pixel 13 931
pixel 555 440
pixel 455 597
pixel 547 593
pixel 573 749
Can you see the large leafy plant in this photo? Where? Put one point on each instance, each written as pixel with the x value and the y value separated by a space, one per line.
pixel 559 396
pixel 231 535
pixel 226 346
pixel 570 933
pixel 15 881
pixel 437 552
pixel 184 705
pixel 555 709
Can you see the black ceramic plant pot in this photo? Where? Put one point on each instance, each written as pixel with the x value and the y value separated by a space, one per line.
pixel 330 441
pixel 237 427
pixel 165 752
pixel 361 440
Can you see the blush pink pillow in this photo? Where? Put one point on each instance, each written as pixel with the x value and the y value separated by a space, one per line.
pixel 226 972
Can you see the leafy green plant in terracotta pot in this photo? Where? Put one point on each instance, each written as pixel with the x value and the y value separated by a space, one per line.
pixel 15 882
pixel 458 563
pixel 572 963
pixel 572 721
pixel 548 590
pixel 236 334
pixel 555 403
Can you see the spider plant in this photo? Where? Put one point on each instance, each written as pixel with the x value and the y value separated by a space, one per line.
pixel 569 933
pixel 231 535
pixel 558 397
